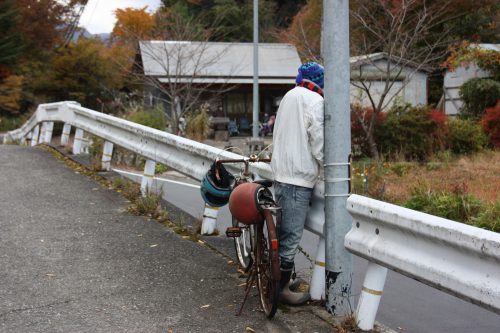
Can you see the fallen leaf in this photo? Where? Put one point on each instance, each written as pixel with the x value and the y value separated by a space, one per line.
pixel 242 284
pixel 204 306
pixel 249 329
pixel 50 274
pixel 201 242
pixel 230 262
pixel 154 245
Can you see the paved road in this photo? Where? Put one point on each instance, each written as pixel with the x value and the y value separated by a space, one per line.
pixel 407 305
pixel 73 260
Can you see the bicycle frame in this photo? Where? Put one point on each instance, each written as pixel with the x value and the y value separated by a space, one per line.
pixel 266 270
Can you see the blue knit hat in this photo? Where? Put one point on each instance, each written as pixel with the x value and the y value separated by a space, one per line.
pixel 311 71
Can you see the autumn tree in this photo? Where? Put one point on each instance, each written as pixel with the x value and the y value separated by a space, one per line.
pixel 132 25
pixel 43 22
pixel 11 47
pixel 305 31
pixel 413 34
pixel 82 73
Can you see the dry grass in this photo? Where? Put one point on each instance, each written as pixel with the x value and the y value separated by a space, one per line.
pixel 478 175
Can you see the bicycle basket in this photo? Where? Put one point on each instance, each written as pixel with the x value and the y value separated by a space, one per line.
pixel 216 186
pixel 243 203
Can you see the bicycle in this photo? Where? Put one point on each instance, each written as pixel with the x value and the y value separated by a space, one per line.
pixel 254 231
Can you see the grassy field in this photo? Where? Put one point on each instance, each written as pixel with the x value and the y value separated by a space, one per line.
pixel 478 175
pixel 465 188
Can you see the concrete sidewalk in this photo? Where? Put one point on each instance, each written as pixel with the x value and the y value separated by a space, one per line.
pixel 74 260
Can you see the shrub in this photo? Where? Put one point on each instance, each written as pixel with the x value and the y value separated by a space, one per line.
pixel 491 124
pixel 466 136
pixel 405 132
pixel 479 94
pixel 154 118
pixel 198 124
pixel 12 123
pixel 456 205
pixel 362 115
pixel 440 133
pixel 160 168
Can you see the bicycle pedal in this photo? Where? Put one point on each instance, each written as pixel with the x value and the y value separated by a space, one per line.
pixel 233 232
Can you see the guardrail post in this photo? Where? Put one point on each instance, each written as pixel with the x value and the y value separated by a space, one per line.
pixel 34 137
pixel 27 139
pixel 65 134
pixel 49 127
pixel 77 143
pixel 42 133
pixel 209 220
pixel 317 287
pixel 147 177
pixel 107 153
pixel 371 292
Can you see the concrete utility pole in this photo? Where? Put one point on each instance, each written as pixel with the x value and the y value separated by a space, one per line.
pixel 335 38
pixel 255 127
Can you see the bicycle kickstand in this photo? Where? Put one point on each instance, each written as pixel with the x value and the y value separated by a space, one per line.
pixel 250 282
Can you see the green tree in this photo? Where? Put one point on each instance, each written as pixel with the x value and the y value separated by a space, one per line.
pixel 228 20
pixel 11 43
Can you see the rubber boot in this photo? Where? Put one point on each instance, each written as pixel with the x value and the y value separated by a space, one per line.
pixel 286 295
pixel 285 278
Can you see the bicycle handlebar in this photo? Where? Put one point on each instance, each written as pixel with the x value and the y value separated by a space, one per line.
pixel 246 161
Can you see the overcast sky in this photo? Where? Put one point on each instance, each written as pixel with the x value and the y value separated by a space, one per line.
pixel 99 17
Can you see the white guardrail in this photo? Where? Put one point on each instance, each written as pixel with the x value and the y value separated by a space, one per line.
pixel 453 257
pixel 450 256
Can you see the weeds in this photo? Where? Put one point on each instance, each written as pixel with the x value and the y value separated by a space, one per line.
pixel 401 168
pixel 150 206
pixel 160 168
pixel 198 124
pixel 348 325
pixel 130 190
pixel 489 217
pixel 457 205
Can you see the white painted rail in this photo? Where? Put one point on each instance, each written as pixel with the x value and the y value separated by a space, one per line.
pixel 450 256
pixel 189 157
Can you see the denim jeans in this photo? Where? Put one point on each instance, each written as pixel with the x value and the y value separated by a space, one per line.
pixel 294 201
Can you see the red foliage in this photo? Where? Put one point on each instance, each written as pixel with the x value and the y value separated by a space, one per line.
pixel 440 131
pixel 491 124
pixel 438 117
pixel 362 115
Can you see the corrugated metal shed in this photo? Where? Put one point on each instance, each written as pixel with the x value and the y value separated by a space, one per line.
pixel 219 62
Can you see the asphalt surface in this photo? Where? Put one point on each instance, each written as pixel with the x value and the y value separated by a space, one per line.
pixel 73 260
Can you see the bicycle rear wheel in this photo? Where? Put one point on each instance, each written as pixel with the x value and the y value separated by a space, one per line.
pixel 243 245
pixel 267 268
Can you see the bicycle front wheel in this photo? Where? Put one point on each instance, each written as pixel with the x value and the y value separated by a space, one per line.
pixel 266 259
pixel 243 245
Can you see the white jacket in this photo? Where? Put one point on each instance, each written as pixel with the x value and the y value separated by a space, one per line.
pixel 298 138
